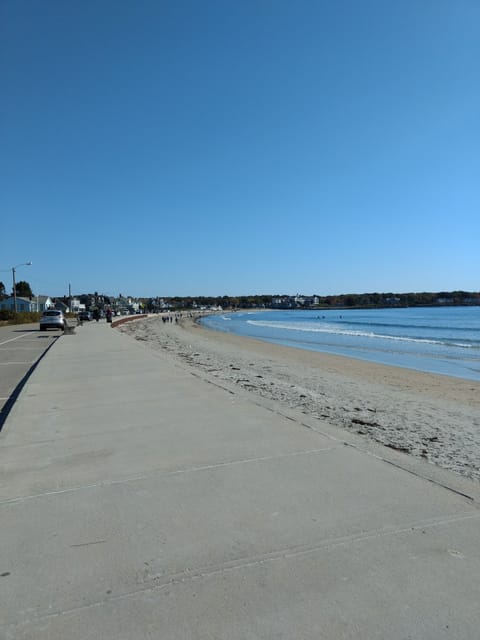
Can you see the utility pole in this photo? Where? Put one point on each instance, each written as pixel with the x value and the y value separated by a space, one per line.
pixel 27 264
pixel 14 291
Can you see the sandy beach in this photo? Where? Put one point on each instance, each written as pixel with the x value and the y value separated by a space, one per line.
pixel 433 417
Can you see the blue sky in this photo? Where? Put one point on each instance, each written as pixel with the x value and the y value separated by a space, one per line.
pixel 184 147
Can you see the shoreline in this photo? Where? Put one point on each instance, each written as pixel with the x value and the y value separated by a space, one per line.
pixel 429 416
pixel 455 366
pixel 433 383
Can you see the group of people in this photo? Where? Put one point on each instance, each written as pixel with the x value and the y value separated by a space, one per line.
pixel 96 315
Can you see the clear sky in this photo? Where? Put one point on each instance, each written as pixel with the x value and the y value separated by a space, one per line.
pixel 212 147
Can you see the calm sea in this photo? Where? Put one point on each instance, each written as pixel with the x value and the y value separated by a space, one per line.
pixel 443 340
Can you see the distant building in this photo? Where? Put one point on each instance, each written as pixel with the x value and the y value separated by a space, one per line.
pixel 61 306
pixel 75 305
pixel 35 303
pixel 293 302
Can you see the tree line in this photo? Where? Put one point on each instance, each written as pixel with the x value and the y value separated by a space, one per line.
pixel 22 289
pixel 364 300
pixel 414 299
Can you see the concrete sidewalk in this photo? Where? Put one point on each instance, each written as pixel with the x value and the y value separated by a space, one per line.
pixel 139 501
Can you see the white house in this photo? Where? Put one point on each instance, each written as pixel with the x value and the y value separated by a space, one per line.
pixel 75 305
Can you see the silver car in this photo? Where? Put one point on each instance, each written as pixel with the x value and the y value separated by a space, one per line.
pixel 52 319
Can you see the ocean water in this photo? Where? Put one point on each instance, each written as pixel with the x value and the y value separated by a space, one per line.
pixel 444 340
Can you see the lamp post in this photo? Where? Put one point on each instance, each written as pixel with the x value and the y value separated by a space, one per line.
pixel 22 264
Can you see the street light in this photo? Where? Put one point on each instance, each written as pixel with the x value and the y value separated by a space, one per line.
pixel 22 264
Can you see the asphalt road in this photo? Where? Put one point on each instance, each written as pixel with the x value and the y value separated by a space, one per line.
pixel 21 347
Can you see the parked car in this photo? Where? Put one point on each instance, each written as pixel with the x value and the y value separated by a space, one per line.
pixel 52 319
pixel 84 315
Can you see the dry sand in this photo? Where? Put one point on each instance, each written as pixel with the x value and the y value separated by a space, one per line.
pixel 433 417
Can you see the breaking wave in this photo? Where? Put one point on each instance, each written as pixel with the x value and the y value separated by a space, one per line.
pixel 356 333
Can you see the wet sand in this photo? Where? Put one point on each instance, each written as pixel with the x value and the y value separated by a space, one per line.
pixel 429 416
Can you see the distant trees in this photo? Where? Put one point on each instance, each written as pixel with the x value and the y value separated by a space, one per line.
pixel 3 291
pixel 420 299
pixel 363 300
pixel 23 289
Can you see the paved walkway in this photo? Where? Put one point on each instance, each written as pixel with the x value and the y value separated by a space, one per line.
pixel 139 501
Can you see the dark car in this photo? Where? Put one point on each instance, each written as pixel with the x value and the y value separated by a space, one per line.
pixel 84 315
